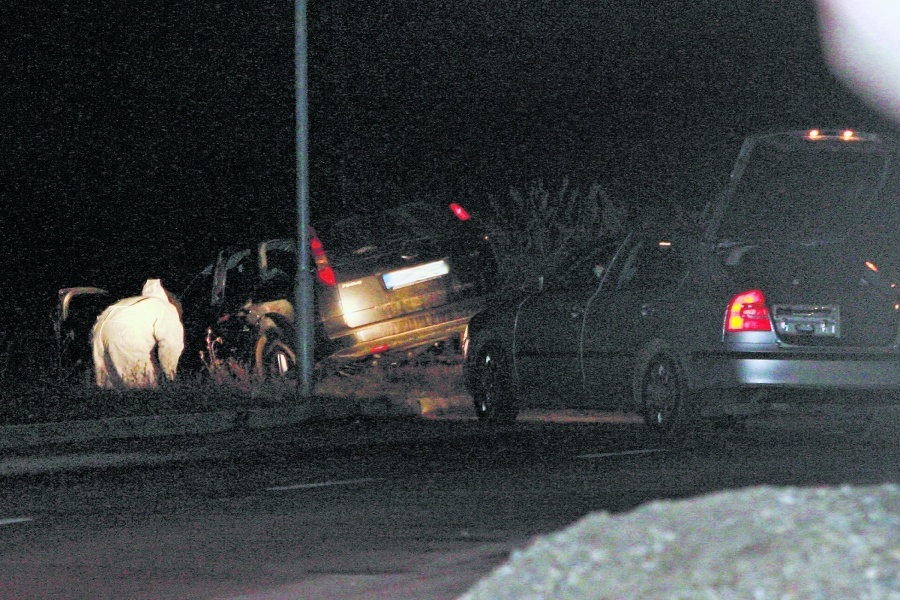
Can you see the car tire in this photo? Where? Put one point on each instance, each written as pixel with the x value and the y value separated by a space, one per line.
pixel 274 360
pixel 662 397
pixel 492 393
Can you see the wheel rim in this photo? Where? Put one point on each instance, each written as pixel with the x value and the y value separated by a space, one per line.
pixel 277 360
pixel 661 393
pixel 489 386
pixel 281 364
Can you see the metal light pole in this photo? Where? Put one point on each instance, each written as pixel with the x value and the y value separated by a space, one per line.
pixel 303 285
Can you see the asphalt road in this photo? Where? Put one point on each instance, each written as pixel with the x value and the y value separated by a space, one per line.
pixel 421 511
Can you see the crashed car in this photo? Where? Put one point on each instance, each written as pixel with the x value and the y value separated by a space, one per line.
pixel 393 284
pixel 791 293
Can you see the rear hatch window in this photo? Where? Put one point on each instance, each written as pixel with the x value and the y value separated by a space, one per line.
pixel 357 237
pixel 815 227
pixel 808 192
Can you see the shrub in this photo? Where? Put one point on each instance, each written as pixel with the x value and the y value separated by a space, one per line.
pixel 536 233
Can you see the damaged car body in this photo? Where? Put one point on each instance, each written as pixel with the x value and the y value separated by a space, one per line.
pixel 391 285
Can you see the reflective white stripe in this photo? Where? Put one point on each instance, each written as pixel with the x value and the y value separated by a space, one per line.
pixel 15 520
pixel 405 277
pixel 304 486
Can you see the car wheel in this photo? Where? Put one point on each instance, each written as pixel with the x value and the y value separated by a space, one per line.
pixel 493 397
pixel 274 360
pixel 663 395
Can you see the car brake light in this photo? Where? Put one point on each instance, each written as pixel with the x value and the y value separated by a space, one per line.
pixel 378 349
pixel 326 275
pixel 323 268
pixel 461 213
pixel 748 312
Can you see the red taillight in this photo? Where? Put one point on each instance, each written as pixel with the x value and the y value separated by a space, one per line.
pixel 323 268
pixel 326 275
pixel 748 312
pixel 315 245
pixel 378 349
pixel 461 213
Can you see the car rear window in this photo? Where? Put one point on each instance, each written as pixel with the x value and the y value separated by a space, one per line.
pixel 812 192
pixel 365 233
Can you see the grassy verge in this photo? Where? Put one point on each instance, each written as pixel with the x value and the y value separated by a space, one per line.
pixel 401 390
pixel 422 389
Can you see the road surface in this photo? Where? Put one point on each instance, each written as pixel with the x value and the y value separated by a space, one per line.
pixel 422 511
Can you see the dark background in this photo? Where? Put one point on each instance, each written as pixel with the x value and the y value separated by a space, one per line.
pixel 141 135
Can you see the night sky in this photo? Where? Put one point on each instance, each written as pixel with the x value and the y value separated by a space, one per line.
pixel 139 135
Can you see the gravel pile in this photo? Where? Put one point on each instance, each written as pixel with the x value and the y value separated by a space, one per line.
pixel 758 543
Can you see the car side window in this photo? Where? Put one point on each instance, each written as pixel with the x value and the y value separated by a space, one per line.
pixel 196 293
pixel 655 265
pixel 582 268
pixel 240 280
pixel 276 274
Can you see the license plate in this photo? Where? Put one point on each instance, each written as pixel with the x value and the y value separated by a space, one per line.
pixel 417 274
pixel 808 320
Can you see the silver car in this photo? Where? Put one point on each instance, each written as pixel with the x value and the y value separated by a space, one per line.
pixel 790 293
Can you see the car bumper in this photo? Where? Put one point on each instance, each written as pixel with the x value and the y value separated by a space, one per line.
pixel 840 372
pixel 405 333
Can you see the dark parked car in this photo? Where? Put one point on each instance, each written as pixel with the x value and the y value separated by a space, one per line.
pixel 389 284
pixel 790 291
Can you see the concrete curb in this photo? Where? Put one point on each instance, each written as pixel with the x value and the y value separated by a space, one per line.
pixel 265 418
pixel 324 407
pixel 21 465
pixel 47 447
pixel 18 436
pixel 43 434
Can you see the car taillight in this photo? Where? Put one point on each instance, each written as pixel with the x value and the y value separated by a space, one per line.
pixel 461 213
pixel 748 312
pixel 323 268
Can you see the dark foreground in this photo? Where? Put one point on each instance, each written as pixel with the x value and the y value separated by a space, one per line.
pixel 403 508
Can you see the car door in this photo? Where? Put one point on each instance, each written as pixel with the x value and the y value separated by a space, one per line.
pixel 76 312
pixel 197 316
pixel 637 302
pixel 546 340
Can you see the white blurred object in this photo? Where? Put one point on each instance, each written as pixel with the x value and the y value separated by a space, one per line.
pixel 861 39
